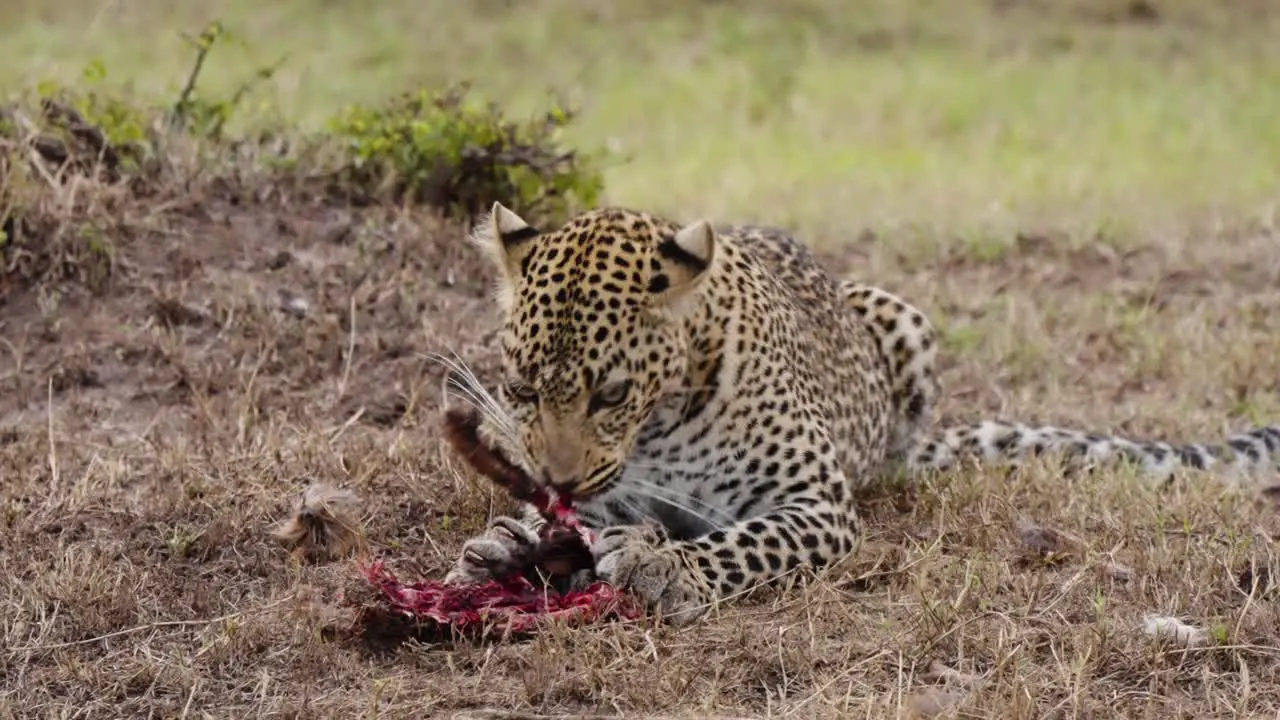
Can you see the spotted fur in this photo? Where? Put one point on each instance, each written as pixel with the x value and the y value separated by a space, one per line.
pixel 712 398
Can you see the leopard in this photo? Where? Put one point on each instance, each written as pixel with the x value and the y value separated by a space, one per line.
pixel 712 399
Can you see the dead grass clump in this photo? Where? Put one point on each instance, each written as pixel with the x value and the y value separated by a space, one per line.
pixel 59 204
pixel 84 173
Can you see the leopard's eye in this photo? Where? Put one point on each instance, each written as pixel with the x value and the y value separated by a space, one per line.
pixel 610 395
pixel 519 392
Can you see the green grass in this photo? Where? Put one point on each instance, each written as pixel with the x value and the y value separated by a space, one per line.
pixel 952 118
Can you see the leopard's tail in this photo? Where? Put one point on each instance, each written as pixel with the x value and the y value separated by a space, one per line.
pixel 1254 452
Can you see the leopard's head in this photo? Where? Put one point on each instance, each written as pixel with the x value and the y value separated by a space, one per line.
pixel 593 317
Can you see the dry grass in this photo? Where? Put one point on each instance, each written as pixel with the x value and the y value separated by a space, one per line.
pixel 155 427
pixel 155 434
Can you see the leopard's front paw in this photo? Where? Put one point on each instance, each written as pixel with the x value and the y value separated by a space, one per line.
pixel 640 561
pixel 506 546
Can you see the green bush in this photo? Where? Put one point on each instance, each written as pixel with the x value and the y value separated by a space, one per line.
pixel 429 148
pixel 436 149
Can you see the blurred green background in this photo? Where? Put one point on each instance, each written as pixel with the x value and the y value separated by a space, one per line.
pixel 940 118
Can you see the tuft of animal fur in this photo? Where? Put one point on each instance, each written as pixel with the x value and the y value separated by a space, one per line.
pixel 325 525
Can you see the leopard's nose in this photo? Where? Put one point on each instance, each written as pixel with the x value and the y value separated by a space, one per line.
pixel 563 484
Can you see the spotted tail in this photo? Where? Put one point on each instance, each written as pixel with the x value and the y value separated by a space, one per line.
pixel 1252 452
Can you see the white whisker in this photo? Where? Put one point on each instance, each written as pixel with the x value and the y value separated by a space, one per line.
pixel 463 381
pixel 678 468
pixel 711 522
pixel 693 389
pixel 680 501
pixel 638 512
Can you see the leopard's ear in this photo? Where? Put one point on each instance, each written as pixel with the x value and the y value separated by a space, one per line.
pixel 505 239
pixel 682 261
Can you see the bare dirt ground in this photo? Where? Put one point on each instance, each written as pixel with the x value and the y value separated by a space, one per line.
pixel 153 431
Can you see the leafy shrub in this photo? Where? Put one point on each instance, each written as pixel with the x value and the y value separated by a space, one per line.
pixel 73 158
pixel 435 148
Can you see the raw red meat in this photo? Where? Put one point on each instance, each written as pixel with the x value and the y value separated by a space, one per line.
pixel 513 605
